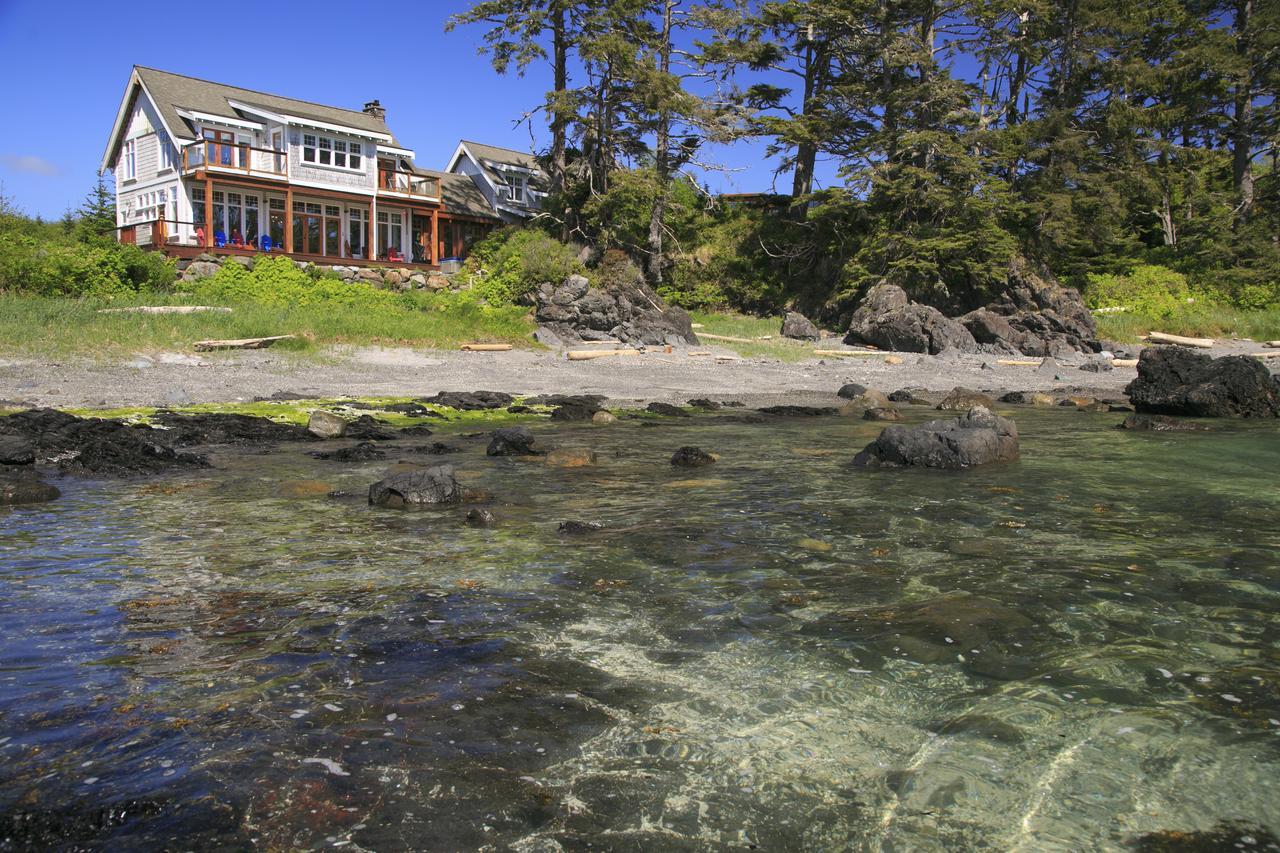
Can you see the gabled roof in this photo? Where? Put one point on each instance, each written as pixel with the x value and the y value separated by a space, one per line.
pixel 172 92
pixel 506 156
pixel 461 195
pixel 496 164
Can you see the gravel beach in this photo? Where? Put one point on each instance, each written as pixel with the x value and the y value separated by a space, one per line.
pixel 170 378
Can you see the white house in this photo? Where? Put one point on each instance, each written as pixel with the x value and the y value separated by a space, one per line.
pixel 201 166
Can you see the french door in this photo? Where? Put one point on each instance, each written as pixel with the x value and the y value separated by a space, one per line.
pixel 223 150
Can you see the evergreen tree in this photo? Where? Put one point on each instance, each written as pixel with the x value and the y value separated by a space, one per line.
pixel 98 212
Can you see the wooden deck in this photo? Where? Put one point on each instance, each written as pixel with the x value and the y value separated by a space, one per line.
pixel 177 250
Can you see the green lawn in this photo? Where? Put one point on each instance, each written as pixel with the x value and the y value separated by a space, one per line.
pixel 743 326
pixel 55 326
pixel 1199 321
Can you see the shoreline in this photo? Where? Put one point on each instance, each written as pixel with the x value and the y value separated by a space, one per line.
pixel 176 379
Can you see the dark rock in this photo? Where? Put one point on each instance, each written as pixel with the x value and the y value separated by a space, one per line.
pixel 1179 381
pixel 519 410
pixel 283 396
pixel 798 411
pixel 1046 318
pixel 887 319
pixel 1098 366
pixel 416 431
pixel 962 399
pixel 798 326
pixel 975 438
pixel 470 401
pixel 851 390
pixel 579 528
pixel 624 309
pixel 413 410
pixel 436 485
pixel 243 430
pixel 703 403
pixel 480 517
pixel 666 409
pixel 97 447
pixel 590 401
pixel 1224 836
pixel 994 330
pixel 691 457
pixel 511 441
pixel 365 451
pixel 1160 423
pixel 370 428
pixel 24 486
pixel 902 395
pixel 16 450
pixel 879 414
pixel 570 412
pixel 436 449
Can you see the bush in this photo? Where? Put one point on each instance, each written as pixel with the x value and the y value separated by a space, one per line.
pixel 44 267
pixel 278 281
pixel 514 261
pixel 1148 290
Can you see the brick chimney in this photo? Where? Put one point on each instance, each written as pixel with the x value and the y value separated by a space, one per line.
pixel 375 109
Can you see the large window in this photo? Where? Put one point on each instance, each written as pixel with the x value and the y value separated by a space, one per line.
pixel 328 151
pixel 357 231
pixel 197 207
pixel 251 220
pixel 275 221
pixel 390 234
pixel 308 228
pixel 168 154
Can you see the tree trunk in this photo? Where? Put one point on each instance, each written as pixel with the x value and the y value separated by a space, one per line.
pixel 661 156
pixel 816 68
pixel 1242 121
pixel 559 122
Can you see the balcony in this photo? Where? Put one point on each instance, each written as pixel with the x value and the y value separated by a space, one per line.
pixel 235 158
pixel 410 184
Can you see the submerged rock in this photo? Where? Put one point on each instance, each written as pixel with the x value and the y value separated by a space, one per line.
pixel 222 428
pixel 1179 381
pixel 798 411
pixel 796 325
pixel 372 429
pixel 326 425
pixel 666 409
pixel 16 450
pixel 603 418
pixel 963 399
pixel 573 412
pixel 511 441
pixel 691 457
pixel 704 403
pixel 1160 423
pixel 975 438
pixel 364 451
pixel 480 517
pixel 24 486
pixel 879 414
pixel 590 401
pixel 435 485
pixel 571 457
pixel 579 528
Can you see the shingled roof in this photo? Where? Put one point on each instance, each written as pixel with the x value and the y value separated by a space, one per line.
pixel 508 156
pixel 461 195
pixel 172 92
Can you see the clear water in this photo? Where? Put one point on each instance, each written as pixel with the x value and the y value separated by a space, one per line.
pixel 777 650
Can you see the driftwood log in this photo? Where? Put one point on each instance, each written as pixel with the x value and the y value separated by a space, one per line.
pixel 472 347
pixel 166 309
pixel 242 343
pixel 846 352
pixel 588 354
pixel 1163 338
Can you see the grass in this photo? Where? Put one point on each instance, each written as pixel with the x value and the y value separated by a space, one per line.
pixel 1198 321
pixel 743 326
pixel 62 326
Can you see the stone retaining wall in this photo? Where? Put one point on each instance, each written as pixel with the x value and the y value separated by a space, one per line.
pixel 399 278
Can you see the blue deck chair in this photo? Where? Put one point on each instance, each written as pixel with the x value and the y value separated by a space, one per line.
pixel 219 239
pixel 264 242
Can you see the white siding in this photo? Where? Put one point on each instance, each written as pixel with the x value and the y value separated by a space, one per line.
pixel 144 131
pixel 338 179
pixel 467 166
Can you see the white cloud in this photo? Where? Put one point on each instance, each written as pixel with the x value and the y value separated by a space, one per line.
pixel 29 163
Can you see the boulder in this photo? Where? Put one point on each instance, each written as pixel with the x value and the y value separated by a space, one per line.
pixel 975 438
pixel 200 269
pixel 435 485
pixel 511 441
pixel 480 517
pixel 572 412
pixel 364 451
pixel 691 457
pixel 624 309
pixel 370 428
pixel 850 390
pixel 903 395
pixel 666 409
pixel 1043 317
pixel 1180 381
pixel 16 450
pixel 868 399
pixel 1028 398
pixel 470 401
pixel 888 320
pixel 324 424
pixel 603 418
pixel 579 528
pixel 962 399
pixel 24 486
pixel 799 327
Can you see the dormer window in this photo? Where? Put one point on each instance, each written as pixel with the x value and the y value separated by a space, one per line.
pixel 328 151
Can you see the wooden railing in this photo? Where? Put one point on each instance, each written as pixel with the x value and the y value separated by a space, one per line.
pixel 408 183
pixel 234 157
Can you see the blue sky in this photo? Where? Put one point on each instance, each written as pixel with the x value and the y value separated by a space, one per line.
pixel 66 65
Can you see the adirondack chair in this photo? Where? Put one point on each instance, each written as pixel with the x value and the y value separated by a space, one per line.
pixel 265 242
pixel 220 239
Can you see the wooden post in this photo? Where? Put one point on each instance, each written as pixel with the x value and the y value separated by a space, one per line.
pixel 208 211
pixel 435 236
pixel 288 220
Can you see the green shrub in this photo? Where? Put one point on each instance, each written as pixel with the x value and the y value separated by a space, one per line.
pixel 1148 290
pixel 43 267
pixel 514 261
pixel 278 281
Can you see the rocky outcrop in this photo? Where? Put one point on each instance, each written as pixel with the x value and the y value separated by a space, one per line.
pixel 963 399
pixel 435 485
pixel 470 401
pixel 796 325
pixel 666 409
pixel 630 312
pixel 1033 315
pixel 97 447
pixel 888 319
pixel 975 438
pixel 1180 381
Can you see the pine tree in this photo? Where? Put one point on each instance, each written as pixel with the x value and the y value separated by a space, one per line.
pixel 98 213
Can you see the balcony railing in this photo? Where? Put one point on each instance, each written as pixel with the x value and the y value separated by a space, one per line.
pixel 234 157
pixel 408 183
